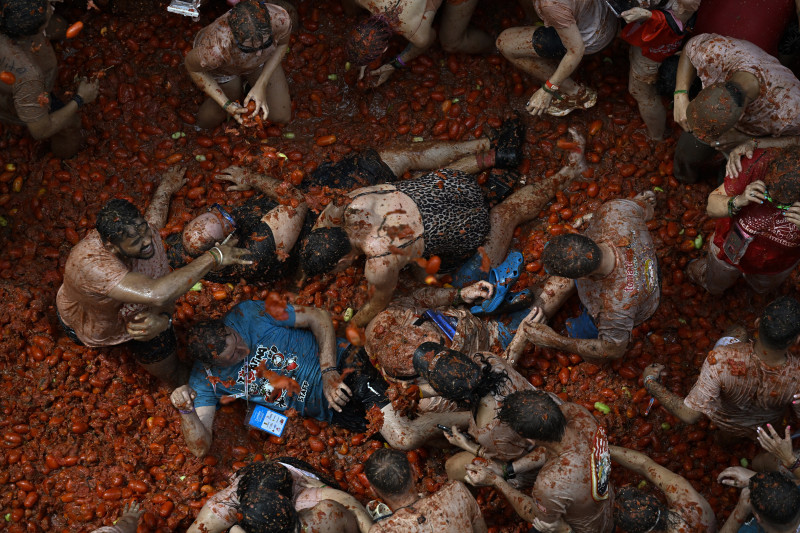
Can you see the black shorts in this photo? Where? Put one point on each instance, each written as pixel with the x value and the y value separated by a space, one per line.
pixel 361 169
pixel 547 44
pixel 145 352
pixel 366 384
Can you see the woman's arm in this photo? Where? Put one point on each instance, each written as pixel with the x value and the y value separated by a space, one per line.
pixel 258 93
pixel 209 85
pixel 683 81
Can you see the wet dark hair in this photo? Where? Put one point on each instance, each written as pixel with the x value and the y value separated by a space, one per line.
pixel 638 512
pixel 388 471
pixel 457 377
pixel 780 323
pixel 716 109
pixel 205 341
pixel 322 249
pixel 113 219
pixel 571 256
pixel 775 497
pixel 250 21
pixel 783 176
pixel 302 465
pixel 268 511
pixel 22 18
pixel 264 475
pixel 534 415
pixel 369 39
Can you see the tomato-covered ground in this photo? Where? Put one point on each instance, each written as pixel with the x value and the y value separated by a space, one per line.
pixel 85 430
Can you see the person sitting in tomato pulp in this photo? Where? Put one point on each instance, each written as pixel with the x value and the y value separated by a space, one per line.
pixel 118 287
pixel 248 42
pixel 29 67
pixel 614 268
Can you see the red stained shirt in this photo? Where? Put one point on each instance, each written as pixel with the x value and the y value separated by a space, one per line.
pixel 776 246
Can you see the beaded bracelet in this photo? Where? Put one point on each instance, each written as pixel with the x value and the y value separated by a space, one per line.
pixel 648 379
pixel 794 465
pixel 733 209
pixel 329 369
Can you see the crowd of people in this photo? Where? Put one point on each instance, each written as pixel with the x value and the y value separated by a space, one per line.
pixel 459 343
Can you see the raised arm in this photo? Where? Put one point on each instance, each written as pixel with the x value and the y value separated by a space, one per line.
pixel 382 274
pixel 321 325
pixel 158 210
pixel 671 401
pixel 196 424
pixel 683 81
pixel 140 289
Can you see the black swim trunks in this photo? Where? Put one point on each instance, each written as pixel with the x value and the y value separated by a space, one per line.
pixel 360 169
pixel 454 213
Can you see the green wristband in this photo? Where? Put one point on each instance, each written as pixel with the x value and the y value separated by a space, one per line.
pixel 225 107
pixel 680 91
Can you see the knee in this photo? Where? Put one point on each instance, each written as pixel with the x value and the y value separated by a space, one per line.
pixel 642 92
pixel 455 468
pixel 503 43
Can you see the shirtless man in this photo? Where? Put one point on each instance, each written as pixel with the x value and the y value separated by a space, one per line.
pixel 118 287
pixel 276 496
pixel 551 53
pixel 451 509
pixel 413 19
pixel 441 213
pixel 573 488
pixel 615 272
pixel 26 52
pixel 248 42
pixel 749 100
pixel 742 385
pixel 686 510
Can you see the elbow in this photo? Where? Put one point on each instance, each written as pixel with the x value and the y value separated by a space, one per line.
pixel 690 417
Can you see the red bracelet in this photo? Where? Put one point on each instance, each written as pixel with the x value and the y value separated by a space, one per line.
pixel 550 86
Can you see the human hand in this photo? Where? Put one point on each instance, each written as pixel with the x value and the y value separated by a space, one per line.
pixel 744 505
pixel 681 102
pixel 654 370
pixel 235 110
pixel 541 334
pixel 735 476
pixel 257 96
pixel 647 199
pixel 754 192
pixel 481 290
pixel 636 13
pixel 734 164
pixel 456 438
pixel 132 510
pixel 539 102
pixel 183 397
pixel 480 476
pixel 232 255
pixel 173 179
pixel 777 446
pixel 147 325
pixel 88 90
pixel 236 175
pixel 336 392
pixel 793 216
pixel 379 76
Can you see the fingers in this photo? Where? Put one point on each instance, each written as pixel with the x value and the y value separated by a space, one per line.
pixel 345 389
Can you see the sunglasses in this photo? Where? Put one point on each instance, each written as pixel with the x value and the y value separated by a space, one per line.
pixel 782 207
pixel 250 49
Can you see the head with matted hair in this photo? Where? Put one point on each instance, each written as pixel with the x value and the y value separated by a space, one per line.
pixel 715 110
pixel 22 18
pixel 251 25
pixel 783 177
pixel 369 40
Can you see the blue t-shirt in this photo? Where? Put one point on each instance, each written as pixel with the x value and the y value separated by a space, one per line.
pixel 283 348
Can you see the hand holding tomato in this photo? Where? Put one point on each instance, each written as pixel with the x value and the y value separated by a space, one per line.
pixel 259 98
pixel 183 398
pixel 88 90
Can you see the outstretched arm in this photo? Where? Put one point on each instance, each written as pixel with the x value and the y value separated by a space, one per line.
pixel 172 180
pixel 196 424
pixel 544 335
pixel 382 274
pixel 243 179
pixel 671 401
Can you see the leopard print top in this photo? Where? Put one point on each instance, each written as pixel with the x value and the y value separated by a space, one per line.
pixel 454 213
